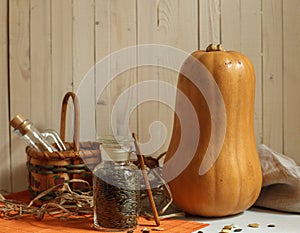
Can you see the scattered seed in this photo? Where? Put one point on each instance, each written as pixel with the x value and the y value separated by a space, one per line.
pixel 253 225
pixel 237 230
pixel 199 231
pixel 225 231
pixel 271 225
pixel 157 229
pixel 229 227
pixel 145 230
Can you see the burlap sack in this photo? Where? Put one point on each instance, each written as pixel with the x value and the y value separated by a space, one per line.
pixel 281 181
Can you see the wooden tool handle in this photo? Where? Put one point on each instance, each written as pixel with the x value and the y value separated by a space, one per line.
pixel 143 167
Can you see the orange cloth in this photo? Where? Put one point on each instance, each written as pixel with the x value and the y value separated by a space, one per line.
pixel 49 224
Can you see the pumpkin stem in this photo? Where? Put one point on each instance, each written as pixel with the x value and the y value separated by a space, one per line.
pixel 215 47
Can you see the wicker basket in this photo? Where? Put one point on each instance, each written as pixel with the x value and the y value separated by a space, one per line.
pixel 46 169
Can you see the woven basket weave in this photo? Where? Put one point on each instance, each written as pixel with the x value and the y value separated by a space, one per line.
pixel 46 169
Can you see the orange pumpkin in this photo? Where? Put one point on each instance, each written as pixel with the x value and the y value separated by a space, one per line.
pixel 234 181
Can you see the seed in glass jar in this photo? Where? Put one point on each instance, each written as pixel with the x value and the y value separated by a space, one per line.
pixel 116 207
pixel 271 225
pixel 253 225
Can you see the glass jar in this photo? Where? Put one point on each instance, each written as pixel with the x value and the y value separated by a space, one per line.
pixel 116 186
pixel 27 131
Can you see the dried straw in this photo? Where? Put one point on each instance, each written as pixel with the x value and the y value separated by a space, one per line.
pixel 65 205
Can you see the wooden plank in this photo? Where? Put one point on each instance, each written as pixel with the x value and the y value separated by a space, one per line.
pixel 83 60
pixel 40 55
pixel 291 38
pixel 20 101
pixel 116 29
pixel 231 22
pixel 62 60
pixel 251 37
pixel 272 75
pixel 5 179
pixel 102 48
pixel 157 22
pixel 163 23
pixel 241 30
pixel 209 22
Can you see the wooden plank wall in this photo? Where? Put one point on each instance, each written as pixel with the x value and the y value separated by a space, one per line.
pixel 5 169
pixel 115 29
pixel 21 88
pixel 47 47
pixel 291 83
pixel 273 74
pixel 166 23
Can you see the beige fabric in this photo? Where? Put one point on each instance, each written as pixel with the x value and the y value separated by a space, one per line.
pixel 281 181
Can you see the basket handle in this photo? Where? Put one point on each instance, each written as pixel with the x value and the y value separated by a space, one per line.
pixel 76 119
